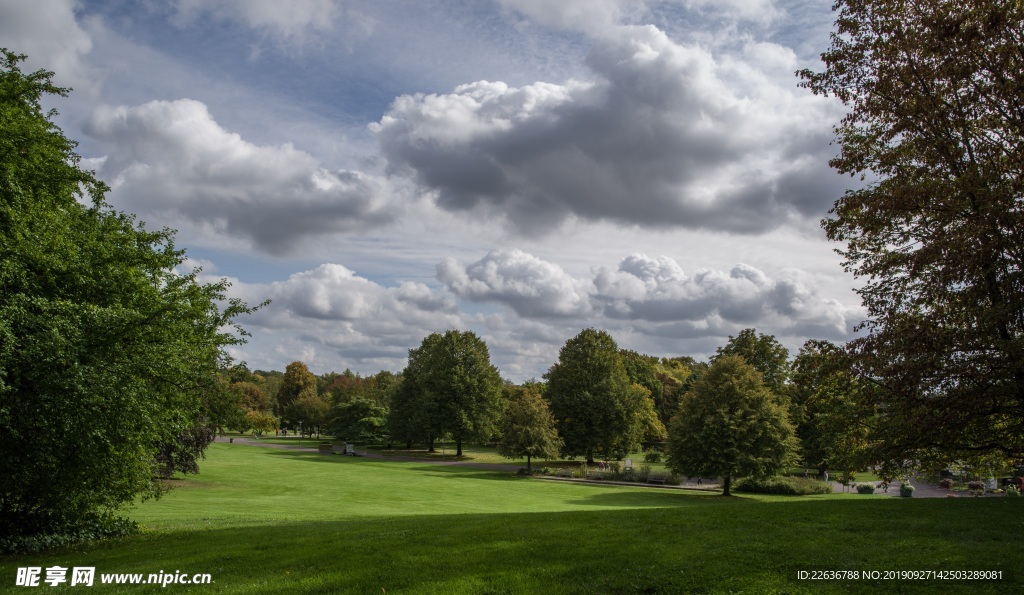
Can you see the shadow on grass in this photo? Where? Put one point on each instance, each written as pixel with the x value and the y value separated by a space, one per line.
pixel 724 544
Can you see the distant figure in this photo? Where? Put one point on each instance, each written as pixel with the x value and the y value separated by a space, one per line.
pixel 826 475
pixel 699 482
pixel 805 473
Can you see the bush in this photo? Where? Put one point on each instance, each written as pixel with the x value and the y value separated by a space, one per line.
pixel 102 526
pixel 865 488
pixel 789 486
pixel 946 484
pixel 1011 492
pixel 976 486
pixel 652 457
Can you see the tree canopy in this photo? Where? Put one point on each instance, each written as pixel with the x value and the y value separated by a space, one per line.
pixel 730 425
pixel 528 428
pixel 106 347
pixel 449 387
pixel 596 407
pixel 934 91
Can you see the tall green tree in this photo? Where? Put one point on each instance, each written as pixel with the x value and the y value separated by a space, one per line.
pixel 297 383
pixel 311 412
pixel 106 348
pixel 527 427
pixel 596 407
pixel 730 425
pixel 934 93
pixel 834 421
pixel 359 420
pixel 448 388
pixel 765 354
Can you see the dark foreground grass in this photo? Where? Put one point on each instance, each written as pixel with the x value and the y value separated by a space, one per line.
pixel 474 532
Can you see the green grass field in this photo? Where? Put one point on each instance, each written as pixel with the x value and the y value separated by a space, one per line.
pixel 263 520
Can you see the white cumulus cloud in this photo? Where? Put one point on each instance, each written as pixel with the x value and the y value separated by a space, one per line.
pixel 663 135
pixel 172 162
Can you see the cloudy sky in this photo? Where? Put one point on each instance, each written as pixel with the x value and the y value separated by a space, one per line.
pixel 520 168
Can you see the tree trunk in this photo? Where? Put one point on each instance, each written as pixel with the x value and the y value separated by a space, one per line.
pixel 727 483
pixel 430 445
pixel 528 468
pixel 590 457
pixel 458 447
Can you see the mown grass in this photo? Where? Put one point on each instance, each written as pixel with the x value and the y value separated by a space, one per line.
pixel 269 521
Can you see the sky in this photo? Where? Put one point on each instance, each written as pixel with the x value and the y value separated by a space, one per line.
pixel 522 169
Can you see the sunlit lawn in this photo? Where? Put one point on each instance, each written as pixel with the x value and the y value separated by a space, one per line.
pixel 264 520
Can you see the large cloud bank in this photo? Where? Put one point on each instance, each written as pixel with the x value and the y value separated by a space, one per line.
pixel 663 135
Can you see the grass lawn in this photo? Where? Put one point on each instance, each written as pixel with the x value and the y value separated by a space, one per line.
pixel 263 520
pixel 487 454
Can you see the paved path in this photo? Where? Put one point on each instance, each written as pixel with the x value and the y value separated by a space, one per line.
pixel 921 489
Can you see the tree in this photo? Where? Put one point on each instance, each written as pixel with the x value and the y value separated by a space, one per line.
pixel 298 382
pixel 833 420
pixel 730 426
pixel 310 411
pixel 359 420
pixel 765 354
pixel 260 422
pixel 450 387
pixel 596 408
pixel 106 347
pixel 934 91
pixel 528 428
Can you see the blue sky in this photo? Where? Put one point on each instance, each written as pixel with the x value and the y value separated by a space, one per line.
pixel 520 168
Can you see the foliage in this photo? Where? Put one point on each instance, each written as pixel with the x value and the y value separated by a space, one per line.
pixel 260 422
pixel 107 348
pixel 783 485
pixel 596 407
pixel 865 488
pixel 298 382
pixel 311 412
pixel 183 453
pixel 250 396
pixel 1011 492
pixel 449 387
pixel 833 420
pixel 359 420
pixel 527 428
pixel 350 386
pixel 729 425
pixel 94 527
pixel 933 126
pixel 652 457
pixel 763 353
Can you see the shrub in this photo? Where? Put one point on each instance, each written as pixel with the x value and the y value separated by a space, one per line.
pixel 976 486
pixel 99 526
pixel 946 484
pixel 653 457
pixel 865 488
pixel 789 486
pixel 1011 492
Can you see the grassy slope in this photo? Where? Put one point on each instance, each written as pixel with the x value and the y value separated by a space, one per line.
pixel 268 521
